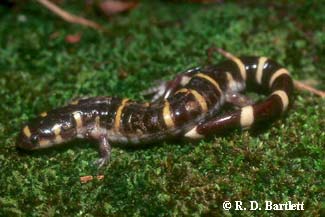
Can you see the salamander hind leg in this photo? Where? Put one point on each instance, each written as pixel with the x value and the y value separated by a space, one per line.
pixel 76 100
pixel 89 100
pixel 166 88
pixel 238 100
pixel 157 92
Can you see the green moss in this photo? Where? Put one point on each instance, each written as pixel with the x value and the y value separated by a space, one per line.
pixel 155 41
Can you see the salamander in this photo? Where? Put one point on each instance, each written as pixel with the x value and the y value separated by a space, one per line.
pixel 187 106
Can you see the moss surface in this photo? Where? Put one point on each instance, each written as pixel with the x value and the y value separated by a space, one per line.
pixel 40 71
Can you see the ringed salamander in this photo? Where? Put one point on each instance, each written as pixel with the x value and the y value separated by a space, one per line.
pixel 187 106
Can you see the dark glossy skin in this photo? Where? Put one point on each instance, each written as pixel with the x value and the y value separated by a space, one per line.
pixel 184 107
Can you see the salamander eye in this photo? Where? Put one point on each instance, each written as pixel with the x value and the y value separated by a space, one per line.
pixel 34 139
pixel 65 126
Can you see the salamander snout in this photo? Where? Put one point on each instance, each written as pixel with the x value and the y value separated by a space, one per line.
pixel 31 137
pixel 46 131
pixel 37 134
pixel 27 140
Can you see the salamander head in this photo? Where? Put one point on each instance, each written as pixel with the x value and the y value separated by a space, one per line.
pixel 46 131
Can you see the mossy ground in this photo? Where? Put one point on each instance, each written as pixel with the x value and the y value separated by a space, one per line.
pixel 155 41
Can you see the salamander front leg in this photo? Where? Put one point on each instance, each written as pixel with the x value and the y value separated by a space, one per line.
pixel 104 152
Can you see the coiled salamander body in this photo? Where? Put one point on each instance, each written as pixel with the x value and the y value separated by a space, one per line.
pixel 184 107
